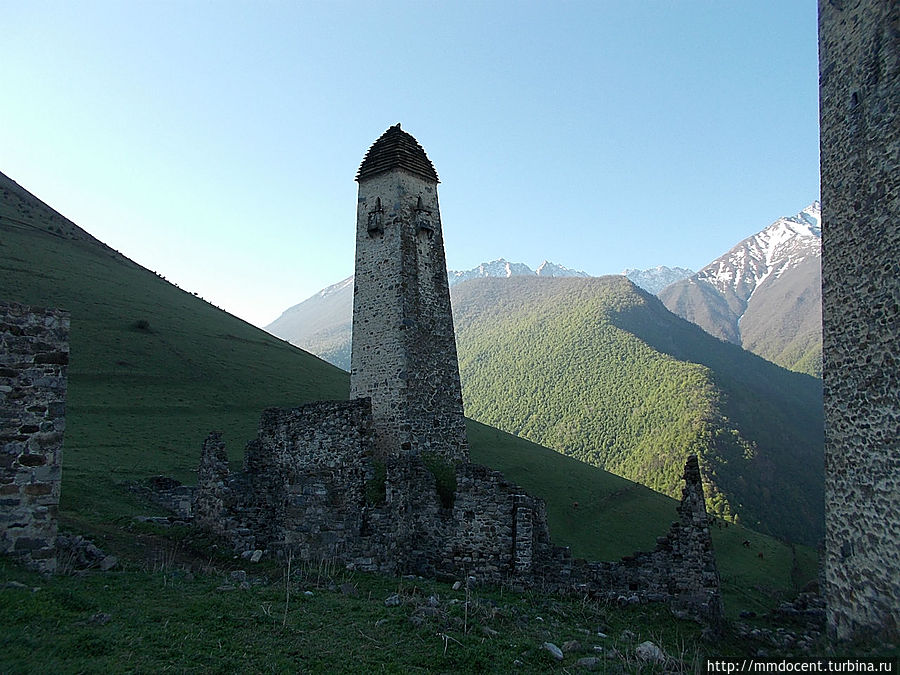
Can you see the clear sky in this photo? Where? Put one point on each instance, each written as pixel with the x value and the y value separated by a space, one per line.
pixel 217 142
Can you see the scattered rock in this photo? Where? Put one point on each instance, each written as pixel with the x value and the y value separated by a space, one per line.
pixel 108 563
pixel 380 622
pixel 349 589
pixel 572 646
pixel 426 612
pixel 625 600
pixel 433 601
pixel 417 620
pixel 246 555
pixel 100 618
pixel 77 553
pixel 238 576
pixel 647 651
pixel 308 594
pixel 245 586
pixel 256 557
pixel 393 601
pixel 555 651
pixel 14 584
pixel 627 636
pixel 457 585
pixel 602 635
pixel 589 663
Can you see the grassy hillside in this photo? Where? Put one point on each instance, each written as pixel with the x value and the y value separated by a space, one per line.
pixel 601 371
pixel 154 369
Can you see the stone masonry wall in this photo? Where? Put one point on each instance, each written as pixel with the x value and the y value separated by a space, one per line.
pixel 314 485
pixel 403 354
pixel 859 79
pixel 681 571
pixel 34 353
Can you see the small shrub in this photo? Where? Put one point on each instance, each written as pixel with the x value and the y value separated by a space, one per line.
pixel 142 325
pixel 444 474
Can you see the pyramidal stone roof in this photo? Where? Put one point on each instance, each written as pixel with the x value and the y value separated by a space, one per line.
pixel 396 149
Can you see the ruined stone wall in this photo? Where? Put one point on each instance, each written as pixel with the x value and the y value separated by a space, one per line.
pixel 681 571
pixel 403 353
pixel 498 530
pixel 303 486
pixel 34 353
pixel 314 486
pixel 859 61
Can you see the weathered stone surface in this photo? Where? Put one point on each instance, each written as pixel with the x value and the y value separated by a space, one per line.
pixel 647 651
pixel 859 80
pixel 553 650
pixel 77 553
pixel 34 352
pixel 403 353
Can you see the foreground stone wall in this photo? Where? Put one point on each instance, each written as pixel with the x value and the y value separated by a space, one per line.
pixel 681 571
pixel 859 60
pixel 34 353
pixel 315 486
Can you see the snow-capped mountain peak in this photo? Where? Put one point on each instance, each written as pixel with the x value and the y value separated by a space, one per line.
pixel 549 269
pixel 336 288
pixel 779 247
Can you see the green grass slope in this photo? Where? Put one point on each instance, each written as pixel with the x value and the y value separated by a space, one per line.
pixel 601 371
pixel 153 369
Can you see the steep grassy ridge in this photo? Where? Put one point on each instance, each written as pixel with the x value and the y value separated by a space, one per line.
pixel 601 371
pixel 153 369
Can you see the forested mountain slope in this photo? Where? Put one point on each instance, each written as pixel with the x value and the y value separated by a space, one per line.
pixel 600 370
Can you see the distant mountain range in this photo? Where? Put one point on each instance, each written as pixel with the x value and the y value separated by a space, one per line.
pixel 655 279
pixel 500 268
pixel 765 294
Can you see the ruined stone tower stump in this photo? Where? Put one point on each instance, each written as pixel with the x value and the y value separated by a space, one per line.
pixel 404 349
pixel 34 354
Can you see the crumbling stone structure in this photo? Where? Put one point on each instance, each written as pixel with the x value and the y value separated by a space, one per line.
pixel 681 571
pixel 859 84
pixel 34 354
pixel 382 482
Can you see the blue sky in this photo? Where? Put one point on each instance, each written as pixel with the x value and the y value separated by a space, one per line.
pixel 216 142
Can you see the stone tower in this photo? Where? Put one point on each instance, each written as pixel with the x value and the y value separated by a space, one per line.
pixel 403 354
pixel 859 94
